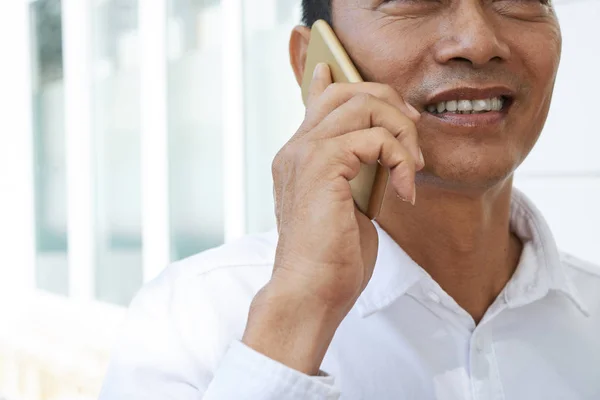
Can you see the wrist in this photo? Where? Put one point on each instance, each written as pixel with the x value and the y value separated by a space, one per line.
pixel 293 329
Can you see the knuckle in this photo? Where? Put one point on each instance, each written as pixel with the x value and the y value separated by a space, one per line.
pixel 279 162
pixel 388 91
pixel 364 98
pixel 407 129
pixel 351 166
pixel 293 159
pixel 380 136
pixel 334 89
pixel 304 152
pixel 284 157
pixel 380 133
pixel 361 101
pixel 344 161
pixel 405 168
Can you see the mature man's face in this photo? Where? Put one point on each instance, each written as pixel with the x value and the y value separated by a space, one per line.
pixel 436 51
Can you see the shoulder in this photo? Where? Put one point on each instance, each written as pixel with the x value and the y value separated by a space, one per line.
pixel 581 268
pixel 204 300
pixel 226 278
pixel 229 262
pixel 586 278
pixel 240 263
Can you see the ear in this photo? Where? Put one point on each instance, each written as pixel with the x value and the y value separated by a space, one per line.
pixel 298 48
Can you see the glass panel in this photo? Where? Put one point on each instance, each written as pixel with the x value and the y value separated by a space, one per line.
pixel 195 131
pixel 52 272
pixel 274 107
pixel 116 119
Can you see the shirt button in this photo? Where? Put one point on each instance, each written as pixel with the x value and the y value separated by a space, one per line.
pixel 434 297
pixel 479 345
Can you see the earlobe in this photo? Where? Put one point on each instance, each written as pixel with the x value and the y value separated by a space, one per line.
pixel 298 48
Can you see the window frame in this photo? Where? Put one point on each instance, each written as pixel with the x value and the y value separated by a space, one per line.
pixel 78 74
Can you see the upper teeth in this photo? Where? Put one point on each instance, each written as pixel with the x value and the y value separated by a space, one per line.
pixel 467 106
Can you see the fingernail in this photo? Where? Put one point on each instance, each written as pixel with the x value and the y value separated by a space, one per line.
pixel 421 158
pixel 411 200
pixel 414 110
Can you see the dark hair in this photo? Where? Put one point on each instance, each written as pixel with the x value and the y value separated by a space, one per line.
pixel 313 10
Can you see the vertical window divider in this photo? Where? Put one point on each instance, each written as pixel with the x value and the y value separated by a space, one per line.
pixel 234 176
pixel 78 81
pixel 17 227
pixel 156 248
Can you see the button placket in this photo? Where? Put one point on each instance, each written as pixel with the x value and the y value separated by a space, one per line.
pixel 483 366
pixel 530 288
pixel 479 345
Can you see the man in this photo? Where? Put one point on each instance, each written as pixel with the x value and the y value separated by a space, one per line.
pixel 462 295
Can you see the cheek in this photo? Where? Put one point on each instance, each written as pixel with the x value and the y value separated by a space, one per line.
pixel 379 58
pixel 538 52
pixel 536 55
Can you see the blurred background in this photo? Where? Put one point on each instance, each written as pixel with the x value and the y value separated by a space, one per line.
pixel 138 132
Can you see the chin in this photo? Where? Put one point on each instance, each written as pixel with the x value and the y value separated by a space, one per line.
pixel 472 174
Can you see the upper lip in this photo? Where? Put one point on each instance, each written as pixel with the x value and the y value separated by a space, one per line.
pixel 470 93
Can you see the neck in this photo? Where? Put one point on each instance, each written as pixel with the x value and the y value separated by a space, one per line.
pixel 462 240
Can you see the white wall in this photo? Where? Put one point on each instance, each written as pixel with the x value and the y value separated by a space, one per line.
pixel 562 175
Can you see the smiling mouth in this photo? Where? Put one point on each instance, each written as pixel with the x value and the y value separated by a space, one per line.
pixel 476 106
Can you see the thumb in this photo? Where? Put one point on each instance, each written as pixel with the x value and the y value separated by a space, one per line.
pixel 320 81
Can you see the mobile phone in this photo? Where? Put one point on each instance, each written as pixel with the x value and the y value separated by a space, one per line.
pixel 368 188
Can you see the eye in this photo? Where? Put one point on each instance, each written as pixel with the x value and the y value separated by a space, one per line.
pixel 526 2
pixel 410 4
pixel 410 1
pixel 543 2
pixel 530 10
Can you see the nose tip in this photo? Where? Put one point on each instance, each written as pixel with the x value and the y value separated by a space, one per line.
pixel 472 39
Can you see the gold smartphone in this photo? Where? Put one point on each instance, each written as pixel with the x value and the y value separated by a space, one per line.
pixel 368 188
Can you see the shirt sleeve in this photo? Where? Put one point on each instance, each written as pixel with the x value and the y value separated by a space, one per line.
pixel 152 362
pixel 246 373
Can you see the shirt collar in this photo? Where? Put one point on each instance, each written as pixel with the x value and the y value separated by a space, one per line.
pixel 540 268
pixel 394 274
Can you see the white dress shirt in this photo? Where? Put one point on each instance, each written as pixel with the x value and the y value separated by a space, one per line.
pixel 404 339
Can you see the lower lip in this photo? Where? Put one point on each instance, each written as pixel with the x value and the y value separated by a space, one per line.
pixel 486 119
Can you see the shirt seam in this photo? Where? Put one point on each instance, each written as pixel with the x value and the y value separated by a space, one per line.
pixel 213 268
pixel 580 268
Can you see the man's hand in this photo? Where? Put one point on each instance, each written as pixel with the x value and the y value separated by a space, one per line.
pixel 327 248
